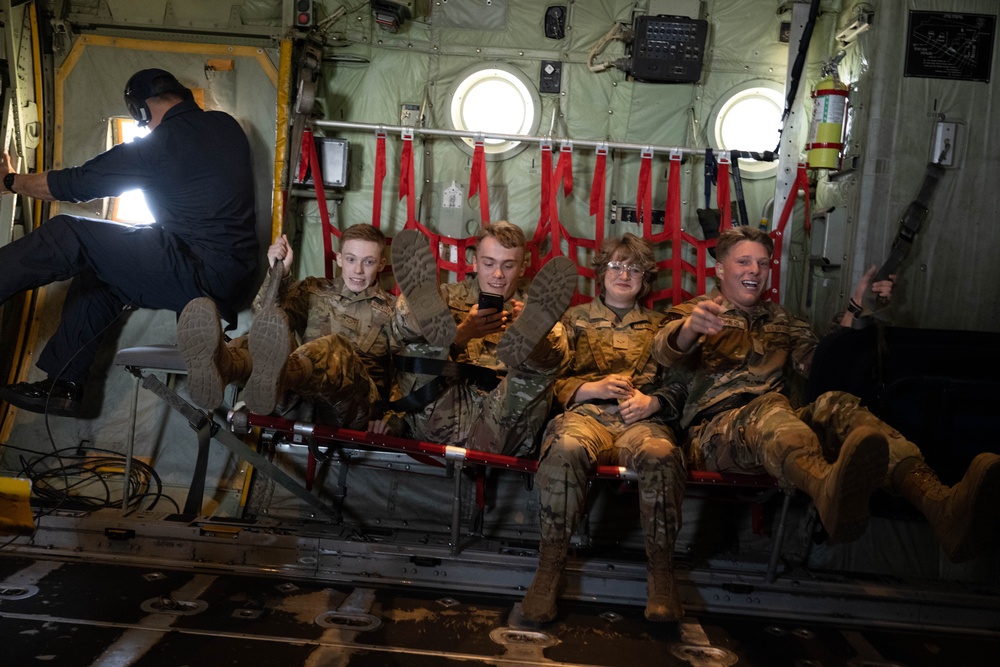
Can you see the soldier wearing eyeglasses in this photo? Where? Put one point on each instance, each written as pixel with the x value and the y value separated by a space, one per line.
pixel 619 406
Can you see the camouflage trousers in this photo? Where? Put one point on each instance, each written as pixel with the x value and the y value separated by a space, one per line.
pixel 507 420
pixel 758 437
pixel 836 413
pixel 340 387
pixel 575 442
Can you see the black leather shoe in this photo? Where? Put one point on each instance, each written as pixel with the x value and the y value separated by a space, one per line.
pixel 60 398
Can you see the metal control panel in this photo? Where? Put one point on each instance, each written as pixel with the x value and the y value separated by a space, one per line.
pixel 668 49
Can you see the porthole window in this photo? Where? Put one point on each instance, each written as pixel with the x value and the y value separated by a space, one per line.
pixel 748 118
pixel 494 98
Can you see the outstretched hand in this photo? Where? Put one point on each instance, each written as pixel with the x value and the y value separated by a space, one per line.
pixel 705 319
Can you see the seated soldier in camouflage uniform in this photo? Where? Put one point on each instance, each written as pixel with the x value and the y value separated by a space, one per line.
pixel 523 343
pixel 344 361
pixel 738 421
pixel 619 404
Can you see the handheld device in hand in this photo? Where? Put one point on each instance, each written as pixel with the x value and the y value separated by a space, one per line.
pixel 489 301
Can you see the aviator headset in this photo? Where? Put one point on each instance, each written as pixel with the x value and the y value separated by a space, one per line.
pixel 148 83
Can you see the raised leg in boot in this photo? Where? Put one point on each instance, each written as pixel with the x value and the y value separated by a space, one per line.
pixel 842 490
pixel 549 296
pixel 271 343
pixel 211 364
pixel 416 272
pixel 964 517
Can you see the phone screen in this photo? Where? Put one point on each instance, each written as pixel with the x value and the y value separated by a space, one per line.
pixel 489 301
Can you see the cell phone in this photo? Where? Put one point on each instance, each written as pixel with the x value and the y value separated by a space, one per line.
pixel 489 301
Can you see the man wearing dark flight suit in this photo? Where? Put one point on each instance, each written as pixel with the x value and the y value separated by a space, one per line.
pixel 194 168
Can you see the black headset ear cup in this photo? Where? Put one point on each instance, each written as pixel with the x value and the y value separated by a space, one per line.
pixel 137 108
pixel 149 83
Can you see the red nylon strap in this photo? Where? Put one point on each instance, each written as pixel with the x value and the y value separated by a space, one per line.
pixel 597 193
pixel 566 151
pixel 563 176
pixel 544 216
pixel 459 267
pixel 329 231
pixel 644 194
pixel 406 188
pixel 379 178
pixel 801 182
pixel 722 194
pixel 477 180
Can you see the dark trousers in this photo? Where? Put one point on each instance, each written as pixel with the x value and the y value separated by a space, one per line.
pixel 113 266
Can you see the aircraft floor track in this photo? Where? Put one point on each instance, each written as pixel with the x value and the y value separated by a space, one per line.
pixel 81 614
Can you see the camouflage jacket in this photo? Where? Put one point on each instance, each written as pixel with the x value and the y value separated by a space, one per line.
pixel 318 307
pixel 602 345
pixel 460 297
pixel 747 359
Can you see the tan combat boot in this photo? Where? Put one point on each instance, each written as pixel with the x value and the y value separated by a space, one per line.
pixel 841 490
pixel 416 273
pixel 211 364
pixel 549 296
pixel 662 602
pixel 276 368
pixel 539 603
pixel 965 516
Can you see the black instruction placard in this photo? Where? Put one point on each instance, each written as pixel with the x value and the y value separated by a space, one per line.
pixel 944 45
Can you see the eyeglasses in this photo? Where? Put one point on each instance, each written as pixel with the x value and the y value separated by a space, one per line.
pixel 631 269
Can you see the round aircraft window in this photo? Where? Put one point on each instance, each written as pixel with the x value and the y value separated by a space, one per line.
pixel 494 98
pixel 747 118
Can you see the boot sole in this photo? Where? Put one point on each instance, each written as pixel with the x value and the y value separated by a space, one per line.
pixel 548 298
pixel 416 273
pixel 864 464
pixel 199 336
pixel 270 344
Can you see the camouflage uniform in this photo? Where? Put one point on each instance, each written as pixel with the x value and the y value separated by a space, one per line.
pixel 593 432
pixel 507 419
pixel 737 419
pixel 346 336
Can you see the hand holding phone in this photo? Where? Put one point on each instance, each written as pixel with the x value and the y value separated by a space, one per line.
pixel 489 301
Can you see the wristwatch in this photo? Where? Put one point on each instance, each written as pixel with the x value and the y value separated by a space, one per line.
pixel 8 181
